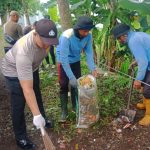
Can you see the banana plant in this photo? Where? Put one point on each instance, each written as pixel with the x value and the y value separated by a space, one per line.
pixel 109 13
pixel 141 6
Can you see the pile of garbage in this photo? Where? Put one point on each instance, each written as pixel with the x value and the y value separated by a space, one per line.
pixel 86 82
pixel 125 120
pixel 88 112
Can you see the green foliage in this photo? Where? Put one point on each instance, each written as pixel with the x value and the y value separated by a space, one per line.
pixel 123 15
pixel 45 80
pixel 50 92
pixel 8 5
pixel 85 7
pixel 22 6
pixel 84 67
pixel 111 93
pixel 142 7
pixel 33 6
pixel 52 11
pixel 125 65
pixel 48 5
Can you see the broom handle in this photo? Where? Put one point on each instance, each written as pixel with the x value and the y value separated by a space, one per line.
pixel 42 131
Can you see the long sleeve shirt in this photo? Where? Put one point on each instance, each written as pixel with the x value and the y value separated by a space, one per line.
pixel 69 51
pixel 139 44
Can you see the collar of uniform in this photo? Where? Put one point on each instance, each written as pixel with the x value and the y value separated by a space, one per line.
pixel 130 33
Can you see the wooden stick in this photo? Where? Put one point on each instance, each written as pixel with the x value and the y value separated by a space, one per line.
pixel 47 141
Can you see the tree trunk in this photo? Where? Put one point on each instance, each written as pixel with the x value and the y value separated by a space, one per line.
pixel 27 20
pixel 26 14
pixel 94 52
pixel 65 15
pixel 112 6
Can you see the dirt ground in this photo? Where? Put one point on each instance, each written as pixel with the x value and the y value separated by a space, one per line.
pixel 105 138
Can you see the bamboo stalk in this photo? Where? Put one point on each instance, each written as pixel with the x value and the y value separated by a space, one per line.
pixel 47 141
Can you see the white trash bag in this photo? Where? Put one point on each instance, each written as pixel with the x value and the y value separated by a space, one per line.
pixel 88 111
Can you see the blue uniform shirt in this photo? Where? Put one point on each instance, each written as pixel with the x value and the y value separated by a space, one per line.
pixel 139 44
pixel 69 51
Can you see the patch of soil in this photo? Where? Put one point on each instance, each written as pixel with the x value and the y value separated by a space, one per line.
pixel 91 139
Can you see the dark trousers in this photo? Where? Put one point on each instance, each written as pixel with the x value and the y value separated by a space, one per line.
pixel 63 79
pixel 146 90
pixel 18 103
pixel 52 56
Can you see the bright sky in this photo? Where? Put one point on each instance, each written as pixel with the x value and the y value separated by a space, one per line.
pixel 43 1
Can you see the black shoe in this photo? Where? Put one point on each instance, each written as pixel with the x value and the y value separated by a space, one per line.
pixel 25 144
pixel 49 124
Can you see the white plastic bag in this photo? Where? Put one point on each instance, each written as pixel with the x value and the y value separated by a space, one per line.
pixel 88 111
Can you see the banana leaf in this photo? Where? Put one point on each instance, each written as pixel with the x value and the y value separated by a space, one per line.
pixel 143 7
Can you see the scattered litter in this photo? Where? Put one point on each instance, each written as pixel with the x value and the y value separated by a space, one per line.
pixel 127 125
pixel 118 130
pixel 61 141
pixel 77 147
pixel 130 114
pixel 117 121
pixel 62 146
pixel 79 130
pixel 126 116
pixel 105 74
pixel 124 121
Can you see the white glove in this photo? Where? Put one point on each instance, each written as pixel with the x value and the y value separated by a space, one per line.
pixel 39 121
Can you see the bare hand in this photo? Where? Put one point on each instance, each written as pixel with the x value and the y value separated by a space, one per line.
pixel 94 73
pixel 137 84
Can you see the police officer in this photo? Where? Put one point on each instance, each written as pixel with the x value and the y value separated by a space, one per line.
pixel 19 66
pixel 12 30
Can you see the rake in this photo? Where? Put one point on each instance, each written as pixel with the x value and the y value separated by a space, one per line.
pixel 128 112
